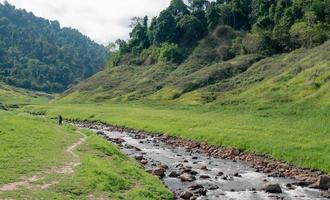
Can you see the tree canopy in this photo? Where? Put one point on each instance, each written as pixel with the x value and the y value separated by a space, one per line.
pixel 265 27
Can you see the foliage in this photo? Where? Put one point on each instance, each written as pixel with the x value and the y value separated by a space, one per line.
pixel 275 26
pixel 38 54
pixel 170 52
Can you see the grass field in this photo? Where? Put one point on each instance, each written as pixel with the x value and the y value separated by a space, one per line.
pixel 31 146
pixel 298 134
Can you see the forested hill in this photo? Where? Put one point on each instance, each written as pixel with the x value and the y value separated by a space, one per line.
pixel 225 50
pixel 265 27
pixel 38 54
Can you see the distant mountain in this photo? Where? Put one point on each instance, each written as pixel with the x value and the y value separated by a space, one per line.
pixel 38 54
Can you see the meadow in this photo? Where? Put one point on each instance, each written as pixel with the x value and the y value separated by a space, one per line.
pixel 31 147
pixel 298 134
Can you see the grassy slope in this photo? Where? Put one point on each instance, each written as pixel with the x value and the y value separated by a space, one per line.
pixel 300 76
pixel 31 145
pixel 12 95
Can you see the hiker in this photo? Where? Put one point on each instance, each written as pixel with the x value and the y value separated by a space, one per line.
pixel 60 120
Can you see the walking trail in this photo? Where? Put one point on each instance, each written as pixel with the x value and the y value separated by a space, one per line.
pixel 68 168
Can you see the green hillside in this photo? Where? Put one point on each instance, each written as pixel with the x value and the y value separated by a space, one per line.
pixel 300 76
pixel 11 95
pixel 39 54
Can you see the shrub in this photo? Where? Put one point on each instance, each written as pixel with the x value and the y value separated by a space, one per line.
pixel 169 52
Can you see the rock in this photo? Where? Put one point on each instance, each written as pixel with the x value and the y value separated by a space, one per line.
pixel 164 166
pixel 237 175
pixel 323 182
pixel 194 158
pixel 300 183
pixel 273 188
pixel 195 187
pixel 204 176
pixel 193 172
pixel 227 178
pixel 220 174
pixel 186 195
pixel 138 157
pixel 160 172
pixel 289 186
pixel 100 133
pixel 173 174
pixel 213 187
pixel 204 168
pixel 201 191
pixel 144 162
pixel 185 177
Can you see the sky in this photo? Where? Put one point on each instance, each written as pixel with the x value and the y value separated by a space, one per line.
pixel 102 20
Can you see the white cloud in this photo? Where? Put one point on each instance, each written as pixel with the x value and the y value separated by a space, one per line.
pixel 101 20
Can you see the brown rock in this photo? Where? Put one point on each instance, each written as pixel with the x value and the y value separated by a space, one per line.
pixel 323 182
pixel 186 195
pixel 185 177
pixel 144 162
pixel 159 172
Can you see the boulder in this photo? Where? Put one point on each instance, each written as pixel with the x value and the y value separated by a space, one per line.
pixel 213 187
pixel 323 182
pixel 186 195
pixel 100 133
pixel 273 188
pixel 203 176
pixel 185 177
pixel 220 174
pixel 138 157
pixel 173 174
pixel 200 192
pixel 144 162
pixel 160 172
pixel 195 187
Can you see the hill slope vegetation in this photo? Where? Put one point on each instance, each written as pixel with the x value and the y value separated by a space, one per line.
pixel 299 76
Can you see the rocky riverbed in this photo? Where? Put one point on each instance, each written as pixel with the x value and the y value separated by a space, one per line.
pixel 198 171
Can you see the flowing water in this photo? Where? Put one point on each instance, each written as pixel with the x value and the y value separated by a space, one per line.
pixel 220 178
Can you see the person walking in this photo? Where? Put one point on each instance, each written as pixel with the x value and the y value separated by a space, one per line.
pixel 60 120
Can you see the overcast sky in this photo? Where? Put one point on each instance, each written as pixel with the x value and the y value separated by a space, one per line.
pixel 101 20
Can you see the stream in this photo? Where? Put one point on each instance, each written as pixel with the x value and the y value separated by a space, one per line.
pixel 193 175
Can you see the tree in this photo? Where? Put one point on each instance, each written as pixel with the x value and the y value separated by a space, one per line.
pixel 178 8
pixel 165 29
pixel 139 39
pixel 190 28
pixel 213 16
pixel 197 5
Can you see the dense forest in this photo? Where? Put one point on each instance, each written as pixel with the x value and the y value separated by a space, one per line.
pixel 38 54
pixel 262 27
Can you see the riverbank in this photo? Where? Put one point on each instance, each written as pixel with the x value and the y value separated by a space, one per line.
pixel 42 160
pixel 193 170
pixel 296 135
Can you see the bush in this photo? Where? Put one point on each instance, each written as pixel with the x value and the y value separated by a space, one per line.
pixel 169 52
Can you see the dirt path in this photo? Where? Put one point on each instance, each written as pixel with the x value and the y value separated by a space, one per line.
pixel 68 168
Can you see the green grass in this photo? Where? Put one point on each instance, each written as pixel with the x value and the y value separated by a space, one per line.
pixel 298 134
pixel 30 145
pixel 12 95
